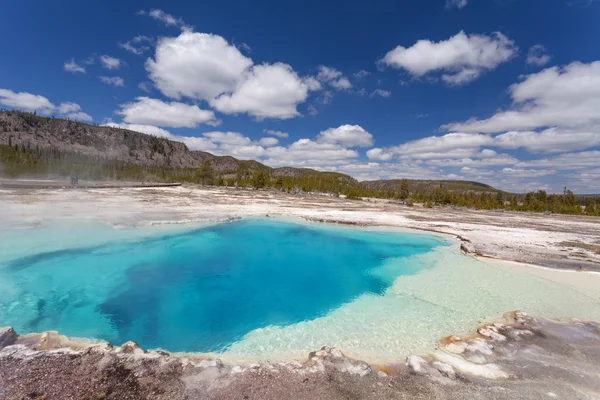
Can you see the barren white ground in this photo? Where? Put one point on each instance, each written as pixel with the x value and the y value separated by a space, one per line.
pixel 550 240
pixel 553 241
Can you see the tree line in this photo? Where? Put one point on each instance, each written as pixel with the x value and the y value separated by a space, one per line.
pixel 25 160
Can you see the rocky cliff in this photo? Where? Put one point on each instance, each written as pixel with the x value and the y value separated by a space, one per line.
pixel 32 131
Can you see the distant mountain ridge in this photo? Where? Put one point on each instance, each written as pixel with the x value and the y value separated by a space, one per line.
pixel 32 131
pixel 25 129
pixel 420 185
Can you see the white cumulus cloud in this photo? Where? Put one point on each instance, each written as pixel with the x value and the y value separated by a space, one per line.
pixel 268 91
pixel 72 111
pixel 565 97
pixel 148 129
pixel 346 135
pixel 167 19
pixel 333 78
pixel 148 111
pixel 528 173
pixel 233 138
pixel 551 140
pixel 145 86
pixel 361 74
pixel 113 80
pixel 109 62
pixel 197 65
pixel 456 3
pixel 469 142
pixel 566 161
pixel 26 101
pixel 138 45
pixel 72 66
pixel 462 57
pixel 378 154
pixel 538 55
pixel 308 153
pixel 279 134
pixel 381 92
pixel 36 103
pixel 268 141
pixel 207 67
pixel 487 161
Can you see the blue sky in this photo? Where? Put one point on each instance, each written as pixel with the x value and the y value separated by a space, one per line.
pixel 505 92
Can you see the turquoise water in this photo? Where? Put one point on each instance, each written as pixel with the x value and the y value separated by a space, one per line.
pixel 204 290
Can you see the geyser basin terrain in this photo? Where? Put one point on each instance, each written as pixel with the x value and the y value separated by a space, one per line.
pixel 265 289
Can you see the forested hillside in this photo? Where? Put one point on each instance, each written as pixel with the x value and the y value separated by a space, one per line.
pixel 41 147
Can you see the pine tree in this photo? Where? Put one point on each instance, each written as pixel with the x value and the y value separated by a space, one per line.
pixel 259 179
pixel 404 190
pixel 499 199
pixel 205 172
pixel 590 209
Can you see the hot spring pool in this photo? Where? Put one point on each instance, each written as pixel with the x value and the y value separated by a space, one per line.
pixel 268 289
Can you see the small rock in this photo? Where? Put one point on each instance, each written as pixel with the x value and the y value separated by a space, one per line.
pixel 101 348
pixel 129 348
pixel 209 363
pixel 314 369
pixel 517 333
pixel 481 346
pixel 237 370
pixel 477 359
pixel 444 368
pixel 326 352
pixel 498 337
pixel 485 332
pixel 492 333
pixel 8 336
pixel 382 374
pixel 417 364
pixel 293 365
pixel 521 317
pixel 359 368
pixel 520 314
pixel 337 353
pixel 456 347
pixel 318 354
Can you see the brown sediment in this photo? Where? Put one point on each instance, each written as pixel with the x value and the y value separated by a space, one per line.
pixel 339 222
pixel 594 248
pixel 450 339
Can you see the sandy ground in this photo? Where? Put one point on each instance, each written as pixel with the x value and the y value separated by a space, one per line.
pixel 585 282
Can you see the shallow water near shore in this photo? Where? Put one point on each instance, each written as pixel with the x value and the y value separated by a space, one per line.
pixel 267 290
pixel 204 289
